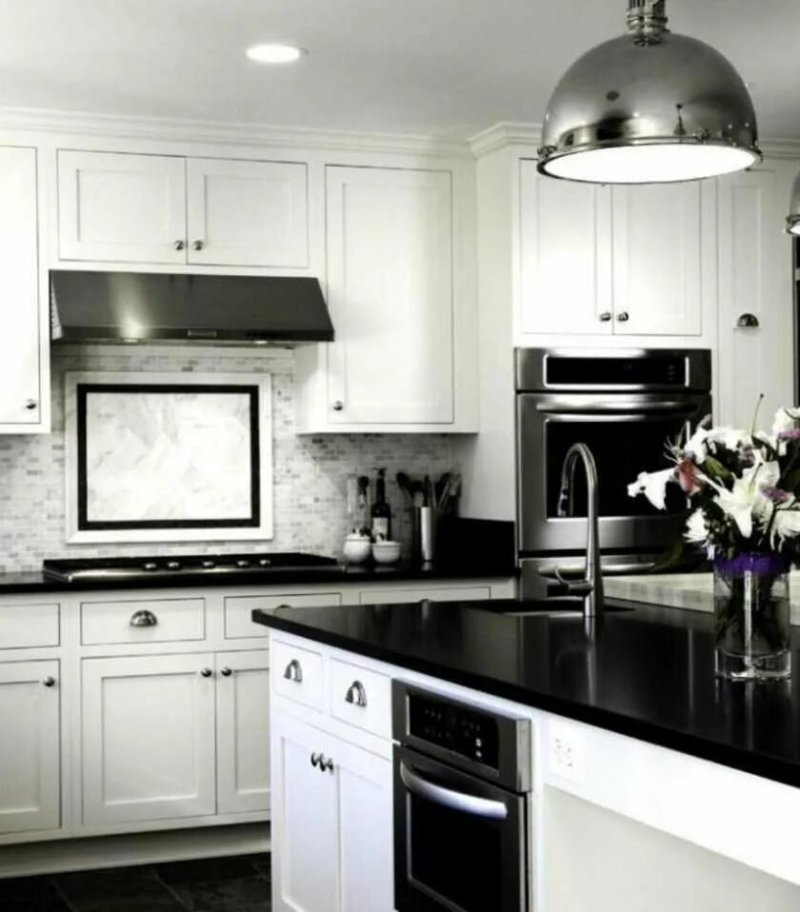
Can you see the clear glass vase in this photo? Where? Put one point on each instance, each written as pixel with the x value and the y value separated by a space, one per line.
pixel 752 617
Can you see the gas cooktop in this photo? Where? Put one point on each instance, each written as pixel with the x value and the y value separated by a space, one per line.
pixel 185 565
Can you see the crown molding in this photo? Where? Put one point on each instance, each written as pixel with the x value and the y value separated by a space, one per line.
pixel 240 134
pixel 781 148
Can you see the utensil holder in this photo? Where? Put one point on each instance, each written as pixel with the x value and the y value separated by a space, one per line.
pixel 424 522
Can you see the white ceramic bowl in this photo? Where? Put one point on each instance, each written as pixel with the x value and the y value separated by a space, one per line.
pixel 386 552
pixel 356 549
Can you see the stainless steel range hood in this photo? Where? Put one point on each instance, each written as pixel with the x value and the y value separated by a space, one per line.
pixel 168 307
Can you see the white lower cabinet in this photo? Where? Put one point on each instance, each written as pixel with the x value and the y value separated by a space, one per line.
pixel 332 811
pixel 174 736
pixel 243 731
pixel 30 767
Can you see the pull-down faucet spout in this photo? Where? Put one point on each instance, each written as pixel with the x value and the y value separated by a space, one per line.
pixel 591 586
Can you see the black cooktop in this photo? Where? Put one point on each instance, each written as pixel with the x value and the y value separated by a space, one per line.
pixel 184 565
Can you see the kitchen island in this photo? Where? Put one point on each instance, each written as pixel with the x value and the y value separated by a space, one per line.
pixel 672 788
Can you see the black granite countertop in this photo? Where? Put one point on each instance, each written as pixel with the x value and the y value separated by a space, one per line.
pixel 14 583
pixel 646 672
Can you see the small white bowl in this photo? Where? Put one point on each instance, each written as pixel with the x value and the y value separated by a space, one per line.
pixel 356 549
pixel 386 552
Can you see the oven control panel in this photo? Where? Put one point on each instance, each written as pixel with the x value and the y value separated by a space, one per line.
pixel 465 731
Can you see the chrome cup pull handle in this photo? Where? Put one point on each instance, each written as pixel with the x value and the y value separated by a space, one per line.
pixel 143 618
pixel 356 694
pixel 294 672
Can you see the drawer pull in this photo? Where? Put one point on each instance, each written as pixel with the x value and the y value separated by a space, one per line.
pixel 356 694
pixel 143 618
pixel 315 758
pixel 49 681
pixel 325 764
pixel 206 672
pixel 225 671
pixel 294 672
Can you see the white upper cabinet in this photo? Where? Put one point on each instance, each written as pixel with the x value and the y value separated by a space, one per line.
pixel 756 328
pixel 622 261
pixel 160 209
pixel 400 286
pixel 20 363
pixel 390 290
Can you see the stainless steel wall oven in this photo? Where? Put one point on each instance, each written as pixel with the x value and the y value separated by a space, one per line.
pixel 462 812
pixel 625 405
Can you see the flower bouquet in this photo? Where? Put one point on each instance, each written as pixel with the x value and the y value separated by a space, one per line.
pixel 743 508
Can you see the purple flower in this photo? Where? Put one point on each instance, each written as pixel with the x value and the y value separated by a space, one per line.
pixel 791 434
pixel 777 495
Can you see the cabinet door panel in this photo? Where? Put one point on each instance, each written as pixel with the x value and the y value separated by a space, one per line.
pixel 390 290
pixel 305 841
pixel 247 213
pixel 148 738
pixel 243 731
pixel 20 393
pixel 565 255
pixel 657 259
pixel 365 829
pixel 121 207
pixel 29 747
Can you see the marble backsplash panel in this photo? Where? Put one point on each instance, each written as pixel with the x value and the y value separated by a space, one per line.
pixel 309 472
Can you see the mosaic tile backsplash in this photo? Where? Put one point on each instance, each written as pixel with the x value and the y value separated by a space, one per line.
pixel 309 472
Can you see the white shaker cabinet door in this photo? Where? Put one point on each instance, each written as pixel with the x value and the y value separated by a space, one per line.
pixel 29 746
pixel 305 832
pixel 243 731
pixel 390 291
pixel 120 207
pixel 657 276
pixel 247 213
pixel 20 393
pixel 564 255
pixel 148 738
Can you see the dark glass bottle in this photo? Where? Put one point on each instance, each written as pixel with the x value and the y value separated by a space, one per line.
pixel 381 512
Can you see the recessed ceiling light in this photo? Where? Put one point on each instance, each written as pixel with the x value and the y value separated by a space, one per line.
pixel 275 53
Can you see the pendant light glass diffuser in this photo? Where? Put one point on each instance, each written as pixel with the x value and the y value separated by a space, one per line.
pixel 649 107
pixel 793 218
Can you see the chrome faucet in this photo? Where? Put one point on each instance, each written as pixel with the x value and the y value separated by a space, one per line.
pixel 591 586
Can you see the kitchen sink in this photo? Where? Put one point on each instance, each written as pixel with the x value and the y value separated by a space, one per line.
pixel 566 606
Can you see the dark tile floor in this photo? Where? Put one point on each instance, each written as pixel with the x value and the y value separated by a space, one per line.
pixel 236 884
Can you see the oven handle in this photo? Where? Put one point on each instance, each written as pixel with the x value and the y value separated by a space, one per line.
pixel 570 407
pixel 457 801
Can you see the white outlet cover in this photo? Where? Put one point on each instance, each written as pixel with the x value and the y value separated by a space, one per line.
pixel 566 751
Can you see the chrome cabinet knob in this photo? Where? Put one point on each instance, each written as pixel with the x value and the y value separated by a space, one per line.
pixel 30 404
pixel 48 681
pixel 206 672
pixel 356 694
pixel 294 671
pixel 605 316
pixel 198 245
pixel 179 245
pixel 747 321
pixel 623 316
pixel 315 758
pixel 225 671
pixel 338 405
pixel 143 618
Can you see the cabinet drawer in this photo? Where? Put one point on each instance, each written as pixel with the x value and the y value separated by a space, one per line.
pixel 296 673
pixel 445 594
pixel 149 621
pixel 361 697
pixel 28 625
pixel 238 608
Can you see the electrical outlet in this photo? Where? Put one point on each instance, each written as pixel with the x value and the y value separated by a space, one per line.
pixel 566 751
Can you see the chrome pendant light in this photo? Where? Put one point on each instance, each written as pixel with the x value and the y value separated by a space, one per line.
pixel 793 218
pixel 649 107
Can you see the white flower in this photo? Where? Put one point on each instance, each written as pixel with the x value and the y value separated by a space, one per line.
pixel 696 445
pixel 746 500
pixel 784 420
pixel 653 485
pixel 696 529
pixel 731 438
pixel 785 525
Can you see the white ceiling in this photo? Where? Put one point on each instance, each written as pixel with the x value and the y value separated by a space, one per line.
pixel 447 68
